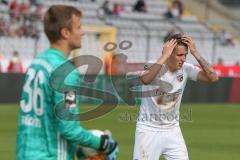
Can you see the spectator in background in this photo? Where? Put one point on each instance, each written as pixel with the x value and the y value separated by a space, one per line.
pixel 107 63
pixel 13 8
pixel 226 39
pixel 3 27
pixel 106 8
pixel 34 2
pixel 32 31
pixel 115 64
pixel 175 11
pixel 13 27
pixel 15 64
pixel 24 18
pixel 3 6
pixel 119 65
pixel 4 2
pixel 220 62
pixel 179 5
pixel 24 8
pixel 140 6
pixel 39 11
pixel 118 8
pixel 237 63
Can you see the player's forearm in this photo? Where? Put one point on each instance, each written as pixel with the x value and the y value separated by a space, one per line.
pixel 73 132
pixel 150 74
pixel 209 71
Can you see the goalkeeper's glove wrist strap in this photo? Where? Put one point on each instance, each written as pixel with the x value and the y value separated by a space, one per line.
pixel 103 143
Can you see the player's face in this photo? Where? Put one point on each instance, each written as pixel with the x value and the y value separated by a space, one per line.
pixel 178 57
pixel 76 33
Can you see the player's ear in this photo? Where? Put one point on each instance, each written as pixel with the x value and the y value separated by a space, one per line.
pixel 65 33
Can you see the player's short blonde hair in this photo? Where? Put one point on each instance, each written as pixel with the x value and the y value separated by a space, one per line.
pixel 58 17
pixel 178 37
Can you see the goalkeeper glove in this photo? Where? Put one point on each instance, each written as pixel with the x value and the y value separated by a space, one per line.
pixel 109 147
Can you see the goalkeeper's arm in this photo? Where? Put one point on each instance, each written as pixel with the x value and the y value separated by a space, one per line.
pixel 73 132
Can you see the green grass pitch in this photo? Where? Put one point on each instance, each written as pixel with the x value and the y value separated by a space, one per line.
pixel 211 131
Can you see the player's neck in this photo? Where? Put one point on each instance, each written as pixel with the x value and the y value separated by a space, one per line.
pixel 61 47
pixel 171 67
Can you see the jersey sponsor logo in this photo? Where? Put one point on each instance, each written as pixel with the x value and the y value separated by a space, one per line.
pixel 70 99
pixel 167 100
pixel 180 77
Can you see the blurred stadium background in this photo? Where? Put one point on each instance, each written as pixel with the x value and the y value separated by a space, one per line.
pixel 210 122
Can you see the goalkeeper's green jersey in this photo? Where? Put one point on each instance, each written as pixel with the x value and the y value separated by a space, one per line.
pixel 41 135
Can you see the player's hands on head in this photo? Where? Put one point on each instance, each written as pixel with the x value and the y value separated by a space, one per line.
pixel 190 43
pixel 109 147
pixel 168 47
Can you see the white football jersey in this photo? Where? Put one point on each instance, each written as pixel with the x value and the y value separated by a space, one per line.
pixel 162 98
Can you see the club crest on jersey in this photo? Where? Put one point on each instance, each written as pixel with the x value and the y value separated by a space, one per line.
pixel 180 77
pixel 70 99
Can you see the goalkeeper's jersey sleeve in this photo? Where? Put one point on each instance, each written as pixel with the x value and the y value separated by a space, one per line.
pixel 41 135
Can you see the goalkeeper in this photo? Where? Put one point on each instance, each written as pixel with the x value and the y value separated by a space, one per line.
pixel 41 135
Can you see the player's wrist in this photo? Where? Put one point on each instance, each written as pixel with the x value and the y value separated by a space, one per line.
pixel 103 142
pixel 196 54
pixel 162 60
